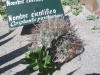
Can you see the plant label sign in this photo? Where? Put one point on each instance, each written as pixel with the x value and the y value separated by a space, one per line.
pixel 25 12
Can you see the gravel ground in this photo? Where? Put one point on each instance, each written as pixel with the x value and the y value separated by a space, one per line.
pixel 13 47
pixel 89 61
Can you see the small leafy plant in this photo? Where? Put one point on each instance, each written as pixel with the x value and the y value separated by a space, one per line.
pixel 92 17
pixel 70 2
pixel 2 10
pixel 75 7
pixel 95 28
pixel 40 59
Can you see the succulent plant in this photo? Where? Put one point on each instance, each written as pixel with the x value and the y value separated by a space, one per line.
pixel 52 29
pixel 58 37
pixel 39 59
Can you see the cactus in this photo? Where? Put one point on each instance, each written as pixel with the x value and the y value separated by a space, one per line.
pixel 52 29
pixel 58 37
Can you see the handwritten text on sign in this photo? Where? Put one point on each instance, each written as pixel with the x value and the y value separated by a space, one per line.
pixel 24 12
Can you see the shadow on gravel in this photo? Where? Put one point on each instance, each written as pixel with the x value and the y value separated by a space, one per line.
pixel 2 70
pixel 26 71
pixel 93 74
pixel 10 56
pixel 27 29
pixel 71 73
pixel 5 35
pixel 5 41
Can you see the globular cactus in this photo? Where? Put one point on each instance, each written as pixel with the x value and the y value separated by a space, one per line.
pixel 51 30
pixel 58 37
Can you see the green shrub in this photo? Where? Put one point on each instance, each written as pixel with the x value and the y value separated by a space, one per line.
pixel 2 10
pixel 39 59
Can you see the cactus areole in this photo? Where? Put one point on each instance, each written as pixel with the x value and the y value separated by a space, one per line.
pixel 25 12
